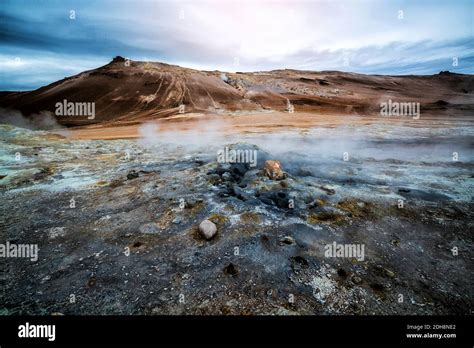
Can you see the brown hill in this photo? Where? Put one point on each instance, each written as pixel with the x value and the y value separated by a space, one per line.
pixel 130 92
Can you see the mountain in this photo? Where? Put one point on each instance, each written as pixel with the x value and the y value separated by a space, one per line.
pixel 127 92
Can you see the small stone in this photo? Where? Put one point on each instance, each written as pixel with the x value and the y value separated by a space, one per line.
pixel 356 280
pixel 389 273
pixel 231 269
pixel 177 220
pixel 226 176
pixel 207 229
pixel 287 240
pixel 328 190
pixel 273 170
pixel 132 175
pixel 149 228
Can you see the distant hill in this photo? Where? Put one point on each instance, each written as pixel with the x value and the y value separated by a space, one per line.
pixel 131 91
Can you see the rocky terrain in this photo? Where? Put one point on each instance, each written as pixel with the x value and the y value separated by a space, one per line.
pixel 117 221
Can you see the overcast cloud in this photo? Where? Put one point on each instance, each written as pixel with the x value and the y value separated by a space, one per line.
pixel 40 44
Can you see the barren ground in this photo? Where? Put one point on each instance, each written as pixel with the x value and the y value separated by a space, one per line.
pixel 266 257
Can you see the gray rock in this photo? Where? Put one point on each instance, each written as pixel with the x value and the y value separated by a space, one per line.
pixel 227 176
pixel 207 229
pixel 150 228
pixel 241 193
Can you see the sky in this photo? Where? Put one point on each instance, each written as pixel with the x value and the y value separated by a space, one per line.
pixel 42 41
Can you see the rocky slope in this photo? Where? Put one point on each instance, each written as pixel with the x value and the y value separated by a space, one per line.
pixel 131 91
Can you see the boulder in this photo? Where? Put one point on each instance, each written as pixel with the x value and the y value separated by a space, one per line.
pixel 207 229
pixel 273 170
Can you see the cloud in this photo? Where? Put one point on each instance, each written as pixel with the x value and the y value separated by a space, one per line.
pixel 260 35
